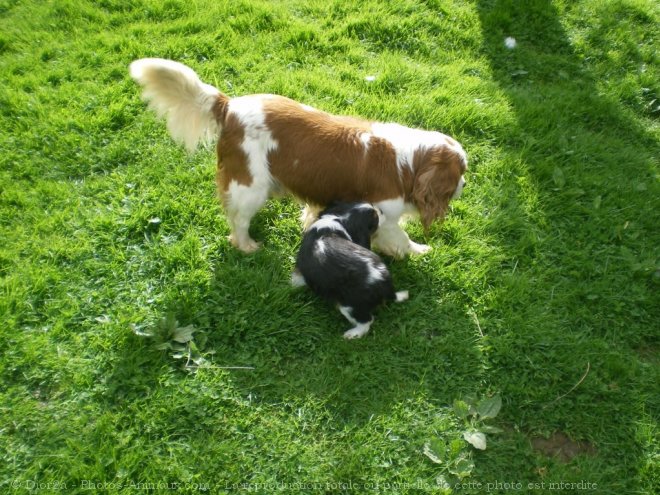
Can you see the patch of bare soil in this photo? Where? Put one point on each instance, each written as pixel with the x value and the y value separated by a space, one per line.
pixel 562 447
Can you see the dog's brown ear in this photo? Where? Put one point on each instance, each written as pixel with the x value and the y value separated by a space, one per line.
pixel 433 188
pixel 429 200
pixel 438 173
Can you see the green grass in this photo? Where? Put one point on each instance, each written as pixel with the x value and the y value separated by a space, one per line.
pixel 542 286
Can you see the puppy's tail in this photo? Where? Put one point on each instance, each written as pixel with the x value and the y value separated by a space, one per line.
pixel 194 111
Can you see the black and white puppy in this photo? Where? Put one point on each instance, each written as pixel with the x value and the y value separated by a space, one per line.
pixel 336 262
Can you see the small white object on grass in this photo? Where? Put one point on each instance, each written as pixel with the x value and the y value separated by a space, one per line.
pixel 510 42
pixel 370 78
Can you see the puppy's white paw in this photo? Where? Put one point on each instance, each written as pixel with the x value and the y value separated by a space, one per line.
pixel 297 280
pixel 354 333
pixel 359 331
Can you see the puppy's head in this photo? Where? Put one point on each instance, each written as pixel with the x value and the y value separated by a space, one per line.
pixel 438 179
pixel 361 220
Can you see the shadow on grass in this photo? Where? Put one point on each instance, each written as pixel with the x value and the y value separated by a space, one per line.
pixel 592 165
pixel 583 283
pixel 591 161
pixel 282 345
pixel 292 342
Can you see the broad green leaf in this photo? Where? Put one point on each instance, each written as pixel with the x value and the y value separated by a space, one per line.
pixel 461 409
pixel 490 429
pixel 462 467
pixel 471 401
pixel 475 438
pixel 489 408
pixel 169 321
pixel 431 454
pixel 443 483
pixel 141 333
pixel 183 334
pixel 201 339
pixel 455 448
pixel 199 360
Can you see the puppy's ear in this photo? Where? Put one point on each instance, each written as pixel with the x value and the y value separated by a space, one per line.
pixel 363 238
pixel 356 225
pixel 360 223
pixel 374 220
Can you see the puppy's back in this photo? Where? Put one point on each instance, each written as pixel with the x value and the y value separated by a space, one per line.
pixel 342 271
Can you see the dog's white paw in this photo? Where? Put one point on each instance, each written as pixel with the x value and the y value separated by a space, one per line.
pixel 393 251
pixel 415 248
pixel 249 246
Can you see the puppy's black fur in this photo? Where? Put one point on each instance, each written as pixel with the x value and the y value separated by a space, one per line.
pixel 335 261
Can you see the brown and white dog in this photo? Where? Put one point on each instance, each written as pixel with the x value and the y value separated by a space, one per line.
pixel 269 145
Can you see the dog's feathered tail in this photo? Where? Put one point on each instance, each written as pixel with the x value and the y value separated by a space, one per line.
pixel 193 110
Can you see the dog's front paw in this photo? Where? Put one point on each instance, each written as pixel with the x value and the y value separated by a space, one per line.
pixel 415 248
pixel 249 246
pixel 395 252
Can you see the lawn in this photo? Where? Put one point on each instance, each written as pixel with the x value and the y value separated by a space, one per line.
pixel 140 352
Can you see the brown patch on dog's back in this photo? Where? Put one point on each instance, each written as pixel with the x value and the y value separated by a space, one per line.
pixel 321 157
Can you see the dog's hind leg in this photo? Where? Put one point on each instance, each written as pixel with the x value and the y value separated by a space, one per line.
pixel 241 204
